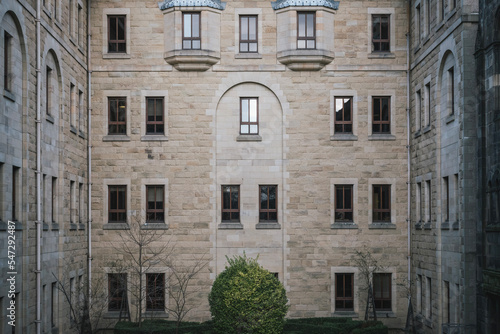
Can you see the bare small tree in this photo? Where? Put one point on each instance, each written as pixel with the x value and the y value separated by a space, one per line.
pixel 142 249
pixel 179 292
pixel 367 266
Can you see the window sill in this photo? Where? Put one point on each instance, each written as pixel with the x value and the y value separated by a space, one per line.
pixel 426 129
pixel 491 227
pixel 155 314
pixel 418 225
pixel 49 118
pixel 154 138
pixel 116 226
pixel 427 226
pixel 116 56
pixel 58 24
pixel 73 227
pixel 17 224
pixel 450 118
pixel 192 60
pixel 9 95
pixel 268 226
pixel 115 314
pixel 417 48
pixel 427 38
pixel 345 314
pixel 381 226
pixel 81 227
pixel 154 226
pixel 248 55
pixel 417 134
pixel 385 314
pixel 116 138
pixel 45 226
pixel 54 226
pixel 230 226
pixel 382 136
pixel 344 137
pixel 305 60
pixel 73 129
pixel 81 134
pixel 344 225
pixel 445 225
pixel 249 138
pixel 47 11
pixel 381 55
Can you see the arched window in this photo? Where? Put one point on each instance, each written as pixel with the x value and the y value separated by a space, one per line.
pixel 448 88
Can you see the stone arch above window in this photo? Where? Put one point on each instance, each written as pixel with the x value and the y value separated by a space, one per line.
pixel 448 89
pixel 52 83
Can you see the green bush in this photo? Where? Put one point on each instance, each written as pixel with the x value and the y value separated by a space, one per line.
pixel 246 298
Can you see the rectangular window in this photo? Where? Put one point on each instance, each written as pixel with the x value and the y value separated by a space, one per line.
pixel 116 34
pixel 48 91
pixel 306 30
pixel 54 199
pixel 231 203
pixel 380 33
pixel 53 304
pixel 71 18
pixel 15 187
pixel 155 211
pixel 428 298
pixel 446 199
pixel 420 294
pixel 427 17
pixel 456 199
pixel 418 201
pixel 344 292
pixel 418 110
pixel 381 122
pixel 117 292
pixel 343 203
pixel 3 191
pixel 80 203
pixel 248 33
pixel 343 115
pixel 427 104
pixel 418 19
pixel 382 291
pixel 117 115
pixel 72 201
pixel 249 116
pixel 72 292
pixel 191 37
pixel 451 92
pixel 428 201
pixel 72 104
pixel 80 110
pixel 79 25
pixel 382 203
pixel 155 292
pixel 268 203
pixel 117 199
pixel 155 123
pixel 446 302
pixel 7 60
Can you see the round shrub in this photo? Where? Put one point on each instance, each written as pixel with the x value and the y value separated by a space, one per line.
pixel 246 298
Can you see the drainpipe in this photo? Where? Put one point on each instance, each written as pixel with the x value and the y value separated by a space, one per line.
pixel 89 160
pixel 408 146
pixel 38 271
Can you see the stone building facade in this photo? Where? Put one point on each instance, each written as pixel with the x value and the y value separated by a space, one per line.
pixel 300 132
pixel 53 163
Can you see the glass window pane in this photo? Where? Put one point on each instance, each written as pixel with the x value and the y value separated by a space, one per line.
pixel 196 25
pixel 121 28
pixel 234 198
pixel 244 28
pixel 235 216
pixel 121 47
pixel 311 44
pixel 310 25
pixel 384 33
pixel 253 110
pixel 376 109
pixel 272 198
pixel 186 44
pixel 347 109
pixel 226 198
pixel 244 110
pixel 301 44
pixel 196 44
pixel 112 28
pixel 245 129
pixel 151 194
pixel 243 47
pixel 253 47
pixel 339 196
pixel 385 109
pixel 254 129
pixel 159 194
pixel 302 25
pixel 347 200
pixel 121 199
pixel 252 33
pixel 187 25
pixel 273 216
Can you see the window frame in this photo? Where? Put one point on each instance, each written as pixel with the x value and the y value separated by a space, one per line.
pixel 155 123
pixel 248 41
pixel 306 38
pixel 7 74
pixel 344 299
pixel 117 210
pixel 191 38
pixel 343 123
pixel 267 211
pixel 157 300
pixel 249 123
pixel 230 210
pixel 343 210
pixel 49 90
pixel 117 123
pixel 120 279
pixel 117 42
pixel 156 211
pixel 381 122
pixel 381 40
pixel 380 211
pixel 383 300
